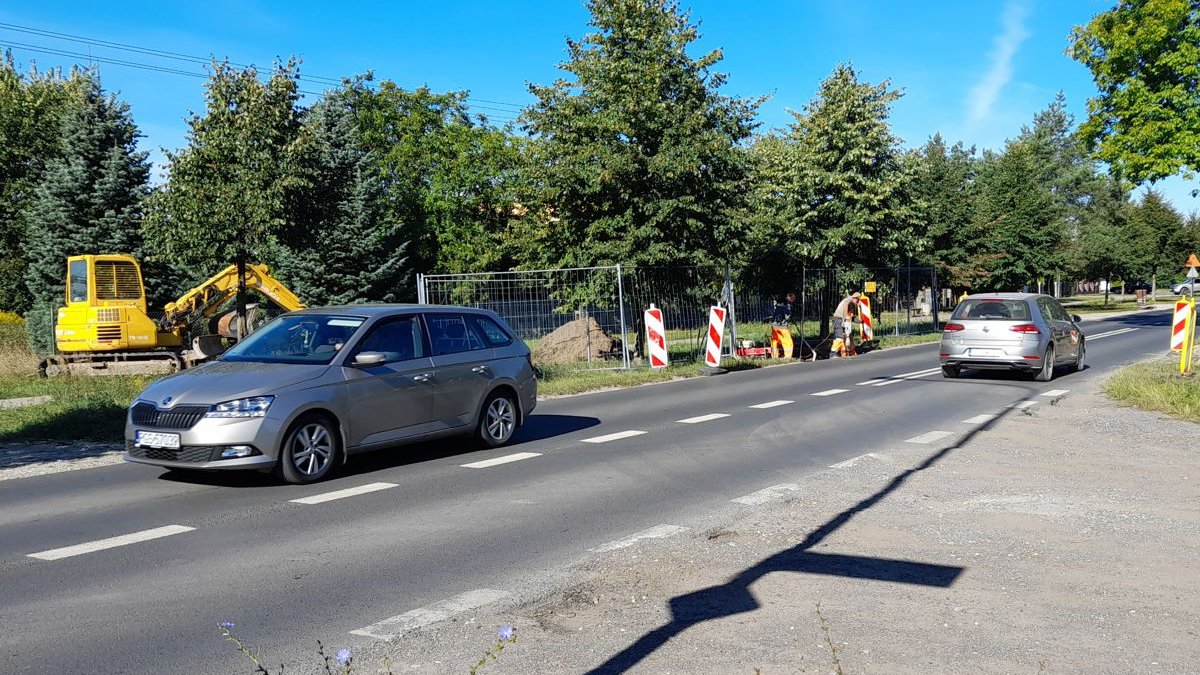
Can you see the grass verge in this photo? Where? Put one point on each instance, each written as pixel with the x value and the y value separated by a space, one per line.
pixel 1157 386
pixel 83 409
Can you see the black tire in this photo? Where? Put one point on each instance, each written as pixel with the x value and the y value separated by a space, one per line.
pixel 951 372
pixel 310 450
pixel 1047 372
pixel 498 420
pixel 1079 360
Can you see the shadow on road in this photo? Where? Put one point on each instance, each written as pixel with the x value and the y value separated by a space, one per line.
pixel 536 428
pixel 734 596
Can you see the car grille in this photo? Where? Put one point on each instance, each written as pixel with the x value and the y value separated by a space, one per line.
pixel 179 417
pixel 188 453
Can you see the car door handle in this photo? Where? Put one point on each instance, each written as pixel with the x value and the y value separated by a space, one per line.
pixel 482 370
pixel 423 377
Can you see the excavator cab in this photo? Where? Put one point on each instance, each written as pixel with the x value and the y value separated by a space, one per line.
pixel 106 308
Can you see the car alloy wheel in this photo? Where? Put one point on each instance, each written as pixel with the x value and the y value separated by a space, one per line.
pixel 500 420
pixel 309 451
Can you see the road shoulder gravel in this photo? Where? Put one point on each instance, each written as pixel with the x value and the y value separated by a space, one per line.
pixel 1063 538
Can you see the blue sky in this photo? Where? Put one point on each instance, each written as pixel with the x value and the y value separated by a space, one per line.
pixel 975 71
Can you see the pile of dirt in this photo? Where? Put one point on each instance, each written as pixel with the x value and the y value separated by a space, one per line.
pixel 578 340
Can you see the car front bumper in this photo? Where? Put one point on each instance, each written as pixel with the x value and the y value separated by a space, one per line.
pixel 200 446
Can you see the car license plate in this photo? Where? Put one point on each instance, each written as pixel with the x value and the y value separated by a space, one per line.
pixel 987 352
pixel 154 439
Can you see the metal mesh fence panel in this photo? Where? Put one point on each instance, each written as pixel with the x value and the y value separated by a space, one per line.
pixel 685 295
pixel 571 318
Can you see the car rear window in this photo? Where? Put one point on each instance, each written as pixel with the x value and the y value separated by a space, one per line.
pixel 492 332
pixel 992 309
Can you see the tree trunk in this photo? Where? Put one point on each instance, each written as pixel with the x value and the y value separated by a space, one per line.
pixel 1107 286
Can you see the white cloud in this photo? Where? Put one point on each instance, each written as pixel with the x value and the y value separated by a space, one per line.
pixel 985 92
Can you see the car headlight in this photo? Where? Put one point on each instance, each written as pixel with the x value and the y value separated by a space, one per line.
pixel 242 407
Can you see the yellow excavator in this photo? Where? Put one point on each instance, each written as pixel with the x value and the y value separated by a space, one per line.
pixel 105 327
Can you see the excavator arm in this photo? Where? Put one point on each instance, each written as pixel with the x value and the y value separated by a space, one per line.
pixel 206 299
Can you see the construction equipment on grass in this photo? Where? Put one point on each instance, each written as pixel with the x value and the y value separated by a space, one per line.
pixel 105 327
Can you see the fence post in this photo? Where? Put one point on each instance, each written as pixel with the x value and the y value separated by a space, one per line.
pixel 421 288
pixel 621 311
pixel 732 305
pixel 935 297
pixel 896 292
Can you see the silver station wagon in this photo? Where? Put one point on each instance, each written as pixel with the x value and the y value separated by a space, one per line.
pixel 311 388
pixel 1012 331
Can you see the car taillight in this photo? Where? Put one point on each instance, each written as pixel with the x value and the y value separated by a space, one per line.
pixel 1025 328
pixel 953 328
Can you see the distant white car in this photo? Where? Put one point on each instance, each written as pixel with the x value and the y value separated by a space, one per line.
pixel 1188 285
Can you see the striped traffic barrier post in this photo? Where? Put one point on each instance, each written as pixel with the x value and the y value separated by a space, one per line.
pixel 868 329
pixel 656 337
pixel 1179 325
pixel 1189 338
pixel 716 335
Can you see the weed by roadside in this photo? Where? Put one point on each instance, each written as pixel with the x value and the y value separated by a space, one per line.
pixel 1157 386
pixel 342 663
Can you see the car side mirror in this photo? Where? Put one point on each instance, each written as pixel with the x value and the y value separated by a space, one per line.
pixel 1076 318
pixel 363 359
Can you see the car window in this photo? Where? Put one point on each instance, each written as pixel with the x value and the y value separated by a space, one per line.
pixel 1060 312
pixel 997 309
pixel 491 331
pixel 450 334
pixel 398 339
pixel 296 338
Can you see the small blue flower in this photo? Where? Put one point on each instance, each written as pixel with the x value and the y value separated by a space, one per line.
pixel 344 657
pixel 226 624
pixel 506 632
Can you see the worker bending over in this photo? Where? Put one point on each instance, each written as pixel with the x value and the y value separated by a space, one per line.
pixel 843 324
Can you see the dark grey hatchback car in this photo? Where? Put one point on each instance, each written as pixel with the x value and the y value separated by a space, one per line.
pixel 311 388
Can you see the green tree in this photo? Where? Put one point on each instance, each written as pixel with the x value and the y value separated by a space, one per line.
pixel 89 199
pixel 32 107
pixel 635 155
pixel 1113 244
pixel 234 192
pixel 843 196
pixel 1016 219
pixel 351 251
pixel 448 176
pixel 1160 223
pixel 1145 58
pixel 945 186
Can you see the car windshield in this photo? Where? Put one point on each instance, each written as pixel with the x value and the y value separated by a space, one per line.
pixel 998 309
pixel 298 338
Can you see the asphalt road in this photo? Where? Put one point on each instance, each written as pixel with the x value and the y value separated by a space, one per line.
pixel 437 536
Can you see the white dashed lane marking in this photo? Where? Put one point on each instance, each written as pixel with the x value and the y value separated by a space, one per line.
pixel 656 532
pixel 702 418
pixel 1055 392
pixel 767 494
pixel 929 437
pixel 439 611
pixel 1111 333
pixel 614 437
pixel 342 494
pixel 830 392
pixel 770 404
pixel 980 419
pixel 1021 405
pixel 111 542
pixel 497 461
pixel 893 379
